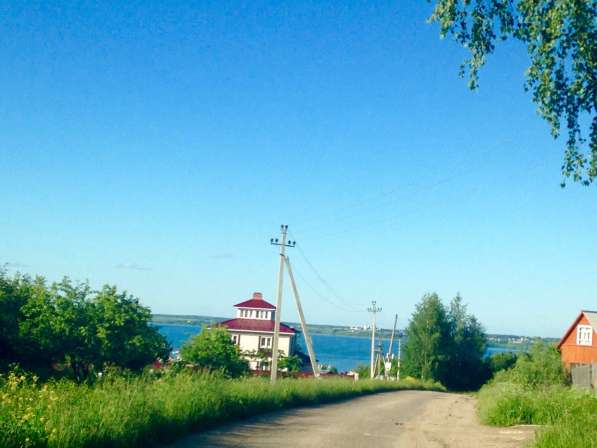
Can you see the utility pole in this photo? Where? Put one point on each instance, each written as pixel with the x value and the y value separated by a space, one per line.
pixel 299 308
pixel 392 337
pixel 283 245
pixel 373 309
pixel 398 371
pixel 379 357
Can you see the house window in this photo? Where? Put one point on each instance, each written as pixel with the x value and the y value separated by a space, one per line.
pixel 236 339
pixel 265 342
pixel 584 335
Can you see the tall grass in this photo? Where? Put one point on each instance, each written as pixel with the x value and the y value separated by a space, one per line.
pixel 140 411
pixel 536 392
pixel 569 416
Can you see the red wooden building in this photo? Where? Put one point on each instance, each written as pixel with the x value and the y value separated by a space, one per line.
pixel 579 344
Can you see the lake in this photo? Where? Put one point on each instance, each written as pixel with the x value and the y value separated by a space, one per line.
pixel 343 352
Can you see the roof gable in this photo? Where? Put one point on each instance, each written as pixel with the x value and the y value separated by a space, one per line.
pixel 591 316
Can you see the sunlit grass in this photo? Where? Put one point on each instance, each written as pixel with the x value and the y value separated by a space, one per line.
pixel 568 417
pixel 127 412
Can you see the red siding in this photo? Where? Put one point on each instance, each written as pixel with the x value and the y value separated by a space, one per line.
pixel 578 354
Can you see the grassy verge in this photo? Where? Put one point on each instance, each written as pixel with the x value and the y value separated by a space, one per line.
pixel 127 412
pixel 569 416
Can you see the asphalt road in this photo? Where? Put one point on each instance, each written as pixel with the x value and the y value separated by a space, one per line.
pixel 396 419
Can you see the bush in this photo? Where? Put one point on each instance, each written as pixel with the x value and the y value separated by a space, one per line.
pixel 501 361
pixel 542 366
pixel 213 349
pixel 535 391
pixel 71 327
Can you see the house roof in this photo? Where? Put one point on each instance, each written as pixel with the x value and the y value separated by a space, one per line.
pixel 257 325
pixel 591 317
pixel 256 302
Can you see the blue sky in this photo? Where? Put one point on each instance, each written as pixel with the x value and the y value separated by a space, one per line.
pixel 159 145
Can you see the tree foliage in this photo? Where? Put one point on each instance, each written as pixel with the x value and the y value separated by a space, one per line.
pixel 560 38
pixel 465 369
pixel 428 343
pixel 67 325
pixel 445 344
pixel 541 366
pixel 501 361
pixel 292 363
pixel 213 349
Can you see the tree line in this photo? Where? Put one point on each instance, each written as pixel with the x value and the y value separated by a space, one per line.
pixel 68 328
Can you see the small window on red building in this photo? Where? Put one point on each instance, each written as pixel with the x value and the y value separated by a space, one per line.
pixel 584 335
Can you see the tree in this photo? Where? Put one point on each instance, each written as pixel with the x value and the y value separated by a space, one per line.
pixel 465 369
pixel 123 329
pixel 445 345
pixel 57 328
pixel 560 38
pixel 293 363
pixel 214 350
pixel 428 343
pixel 541 366
pixel 501 361
pixel 67 325
pixel 13 295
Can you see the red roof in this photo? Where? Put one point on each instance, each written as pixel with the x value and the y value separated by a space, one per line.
pixel 260 325
pixel 256 302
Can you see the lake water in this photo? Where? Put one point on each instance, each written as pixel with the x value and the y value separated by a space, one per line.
pixel 343 352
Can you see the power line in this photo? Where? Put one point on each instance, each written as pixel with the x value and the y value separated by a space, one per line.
pixel 324 281
pixel 323 296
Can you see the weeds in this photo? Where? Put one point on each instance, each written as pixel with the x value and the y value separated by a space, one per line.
pixel 536 392
pixel 140 411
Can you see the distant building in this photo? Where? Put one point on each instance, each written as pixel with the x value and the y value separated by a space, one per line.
pixel 579 343
pixel 253 330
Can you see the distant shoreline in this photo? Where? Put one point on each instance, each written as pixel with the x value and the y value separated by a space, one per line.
pixel 494 340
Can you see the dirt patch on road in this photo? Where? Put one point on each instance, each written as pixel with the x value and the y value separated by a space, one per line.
pixel 450 421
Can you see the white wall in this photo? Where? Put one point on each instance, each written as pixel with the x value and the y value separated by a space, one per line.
pixel 245 313
pixel 250 341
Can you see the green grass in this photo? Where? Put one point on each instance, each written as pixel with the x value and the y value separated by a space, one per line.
pixel 568 416
pixel 140 411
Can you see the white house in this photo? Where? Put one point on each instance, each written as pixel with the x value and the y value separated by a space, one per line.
pixel 253 330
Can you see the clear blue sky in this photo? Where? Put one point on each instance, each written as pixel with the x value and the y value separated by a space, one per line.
pixel 159 145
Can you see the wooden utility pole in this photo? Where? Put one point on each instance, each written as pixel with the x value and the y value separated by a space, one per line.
pixel 398 371
pixel 299 308
pixel 283 245
pixel 392 337
pixel 373 309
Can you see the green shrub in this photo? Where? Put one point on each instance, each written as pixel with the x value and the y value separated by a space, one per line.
pixel 542 366
pixel 536 392
pixel 213 349
pixel 501 361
